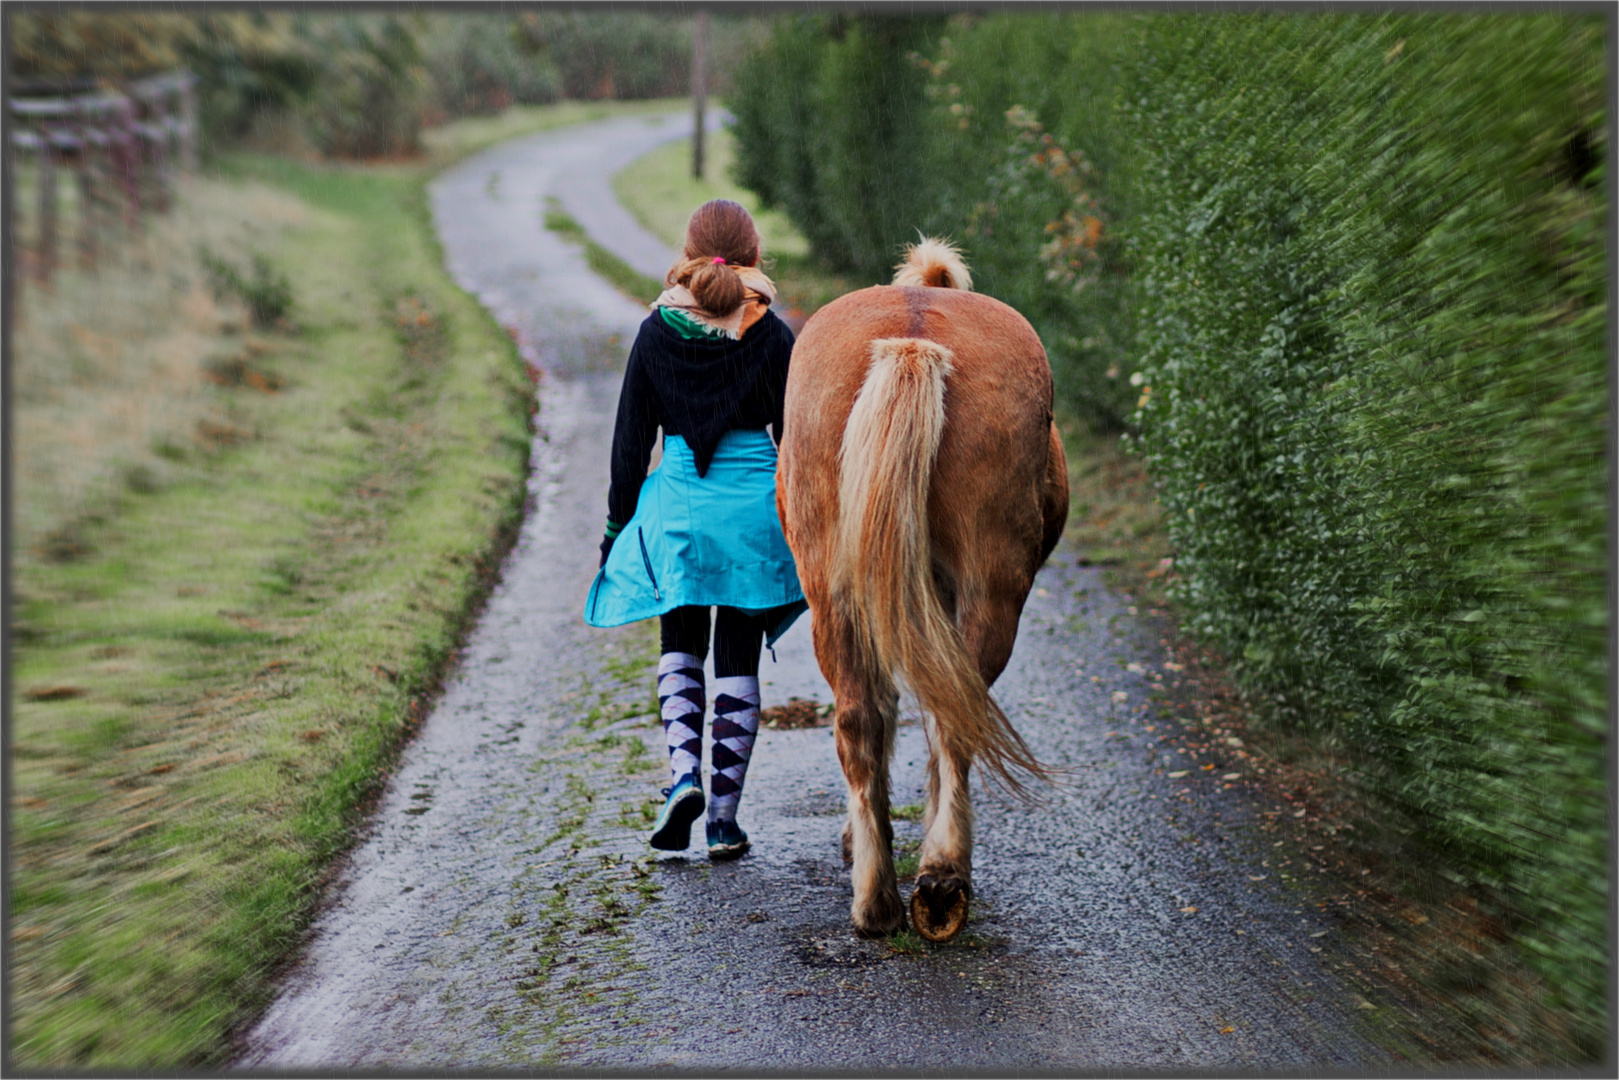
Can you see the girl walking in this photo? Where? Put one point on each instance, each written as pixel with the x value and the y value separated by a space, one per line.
pixel 709 367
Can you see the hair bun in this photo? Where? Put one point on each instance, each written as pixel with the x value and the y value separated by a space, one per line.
pixel 720 237
pixel 716 286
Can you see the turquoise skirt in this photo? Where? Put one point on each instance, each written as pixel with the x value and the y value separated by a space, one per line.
pixel 702 540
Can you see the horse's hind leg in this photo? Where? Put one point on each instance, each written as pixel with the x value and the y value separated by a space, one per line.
pixel 867 704
pixel 944 877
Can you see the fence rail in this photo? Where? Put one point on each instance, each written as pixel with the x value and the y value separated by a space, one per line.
pixel 124 148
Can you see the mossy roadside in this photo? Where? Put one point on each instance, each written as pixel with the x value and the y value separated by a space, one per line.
pixel 208 688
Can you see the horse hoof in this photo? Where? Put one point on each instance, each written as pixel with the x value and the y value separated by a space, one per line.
pixel 939 907
pixel 881 919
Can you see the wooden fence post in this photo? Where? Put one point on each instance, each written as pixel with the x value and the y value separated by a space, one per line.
pixel 126 160
pixel 154 135
pixel 46 240
pixel 97 174
pixel 114 142
pixel 188 122
pixel 699 87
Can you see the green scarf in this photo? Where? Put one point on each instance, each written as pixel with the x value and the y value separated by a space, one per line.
pixel 686 326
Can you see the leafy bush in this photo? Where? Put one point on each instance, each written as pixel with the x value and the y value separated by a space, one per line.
pixel 372 86
pixel 478 66
pixel 621 54
pixel 267 292
pixel 1374 394
pixel 247 62
pixel 996 131
pixel 250 63
pixel 51 45
pixel 857 186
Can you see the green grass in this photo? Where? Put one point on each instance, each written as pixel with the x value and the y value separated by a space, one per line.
pixel 659 189
pixel 211 684
pixel 623 277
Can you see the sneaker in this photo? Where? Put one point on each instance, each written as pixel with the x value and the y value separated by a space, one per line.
pixel 672 830
pixel 726 840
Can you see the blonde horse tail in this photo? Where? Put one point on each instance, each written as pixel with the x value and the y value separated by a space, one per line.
pixel 936 263
pixel 882 571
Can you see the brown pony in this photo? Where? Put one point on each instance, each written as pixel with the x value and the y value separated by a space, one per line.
pixel 921 484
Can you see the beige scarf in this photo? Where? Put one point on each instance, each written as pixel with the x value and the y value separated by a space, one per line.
pixel 747 313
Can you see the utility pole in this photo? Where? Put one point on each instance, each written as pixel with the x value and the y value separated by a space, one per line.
pixel 699 86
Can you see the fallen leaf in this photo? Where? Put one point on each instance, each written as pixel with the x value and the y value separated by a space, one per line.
pixel 55 693
pixel 1319 933
pixel 1178 775
pixel 1120 696
pixel 1207 767
pixel 1189 910
pixel 796 713
pixel 1134 669
pixel 1227 1030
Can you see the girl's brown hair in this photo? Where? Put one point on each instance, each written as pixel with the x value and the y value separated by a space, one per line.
pixel 719 236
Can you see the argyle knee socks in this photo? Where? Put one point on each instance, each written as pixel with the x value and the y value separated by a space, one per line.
pixel 680 701
pixel 736 725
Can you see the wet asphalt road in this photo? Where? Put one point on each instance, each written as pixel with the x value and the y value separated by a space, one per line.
pixel 504 910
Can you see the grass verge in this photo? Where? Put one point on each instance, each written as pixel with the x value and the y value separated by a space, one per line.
pixel 620 274
pixel 212 680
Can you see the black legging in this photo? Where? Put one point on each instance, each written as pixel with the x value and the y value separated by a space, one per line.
pixel 737 637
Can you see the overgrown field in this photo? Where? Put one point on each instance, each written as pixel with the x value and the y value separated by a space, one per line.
pixel 245 556
pixel 1343 280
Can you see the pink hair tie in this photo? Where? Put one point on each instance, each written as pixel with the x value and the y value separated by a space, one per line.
pixel 719 260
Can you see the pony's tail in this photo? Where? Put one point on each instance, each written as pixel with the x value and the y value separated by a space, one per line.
pixel 933 262
pixel 882 570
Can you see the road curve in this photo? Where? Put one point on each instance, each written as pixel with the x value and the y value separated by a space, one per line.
pixel 504 910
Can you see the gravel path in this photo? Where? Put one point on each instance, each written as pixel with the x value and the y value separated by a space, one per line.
pixel 504 910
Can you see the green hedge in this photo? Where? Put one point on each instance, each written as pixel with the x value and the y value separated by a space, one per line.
pixel 1375 396
pixel 866 130
pixel 1346 281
